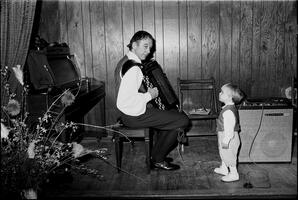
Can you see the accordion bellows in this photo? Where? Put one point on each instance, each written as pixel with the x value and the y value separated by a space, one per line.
pixel 158 79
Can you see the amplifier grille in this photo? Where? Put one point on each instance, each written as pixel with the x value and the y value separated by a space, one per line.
pixel 266 135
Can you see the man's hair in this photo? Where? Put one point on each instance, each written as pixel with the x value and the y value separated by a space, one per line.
pixel 140 35
pixel 236 93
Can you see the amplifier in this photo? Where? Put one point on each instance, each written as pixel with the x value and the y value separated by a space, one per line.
pixel 266 133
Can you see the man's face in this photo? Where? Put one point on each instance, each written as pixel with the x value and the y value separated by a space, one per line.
pixel 142 48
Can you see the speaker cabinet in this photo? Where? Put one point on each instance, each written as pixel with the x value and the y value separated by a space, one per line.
pixel 266 135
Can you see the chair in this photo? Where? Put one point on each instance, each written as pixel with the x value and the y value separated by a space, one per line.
pixel 294 92
pixel 133 134
pixel 197 98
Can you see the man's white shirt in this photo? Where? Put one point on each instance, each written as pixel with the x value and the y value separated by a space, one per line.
pixel 129 100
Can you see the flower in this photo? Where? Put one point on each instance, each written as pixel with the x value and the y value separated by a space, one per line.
pixel 32 154
pixel 30 150
pixel 4 131
pixel 13 107
pixel 68 98
pixel 77 149
pixel 30 194
pixel 18 74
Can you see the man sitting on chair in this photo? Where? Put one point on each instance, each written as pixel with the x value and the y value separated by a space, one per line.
pixel 136 112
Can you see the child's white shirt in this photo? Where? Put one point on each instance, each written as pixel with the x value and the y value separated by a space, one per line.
pixel 229 122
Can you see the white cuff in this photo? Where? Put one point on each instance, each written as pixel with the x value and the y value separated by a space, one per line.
pixel 147 96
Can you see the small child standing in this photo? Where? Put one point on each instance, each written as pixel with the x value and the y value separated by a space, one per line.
pixel 227 129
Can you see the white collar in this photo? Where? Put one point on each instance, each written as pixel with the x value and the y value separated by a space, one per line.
pixel 133 56
pixel 228 104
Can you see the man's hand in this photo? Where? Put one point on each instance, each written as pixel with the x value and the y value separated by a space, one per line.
pixel 153 92
pixel 225 145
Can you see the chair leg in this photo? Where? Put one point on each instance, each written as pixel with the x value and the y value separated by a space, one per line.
pixel 148 150
pixel 118 151
pixel 148 137
pixel 151 139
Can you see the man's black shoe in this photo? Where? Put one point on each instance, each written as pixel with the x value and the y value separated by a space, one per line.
pixel 169 159
pixel 165 166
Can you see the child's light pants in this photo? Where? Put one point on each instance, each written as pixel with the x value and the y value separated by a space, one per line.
pixel 229 156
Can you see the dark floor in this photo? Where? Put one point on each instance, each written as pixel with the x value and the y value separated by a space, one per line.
pixel 195 179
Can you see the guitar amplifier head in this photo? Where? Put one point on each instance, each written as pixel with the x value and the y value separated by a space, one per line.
pixel 272 102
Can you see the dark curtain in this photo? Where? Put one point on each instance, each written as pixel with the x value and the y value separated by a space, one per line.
pixel 16 26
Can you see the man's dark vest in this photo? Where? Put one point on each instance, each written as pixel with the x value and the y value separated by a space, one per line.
pixel 220 122
pixel 123 66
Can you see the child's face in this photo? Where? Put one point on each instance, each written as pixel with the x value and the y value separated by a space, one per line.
pixel 225 95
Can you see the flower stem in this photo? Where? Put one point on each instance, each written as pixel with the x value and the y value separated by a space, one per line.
pixel 105 128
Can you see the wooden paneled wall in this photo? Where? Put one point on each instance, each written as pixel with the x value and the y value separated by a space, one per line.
pixel 250 43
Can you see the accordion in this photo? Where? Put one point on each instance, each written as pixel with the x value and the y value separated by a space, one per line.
pixel 155 77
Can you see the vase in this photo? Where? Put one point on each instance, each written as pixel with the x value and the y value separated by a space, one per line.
pixel 29 194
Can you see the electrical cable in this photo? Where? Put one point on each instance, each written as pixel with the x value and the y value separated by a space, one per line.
pixel 261 174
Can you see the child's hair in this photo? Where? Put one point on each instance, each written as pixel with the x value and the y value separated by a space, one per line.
pixel 237 94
